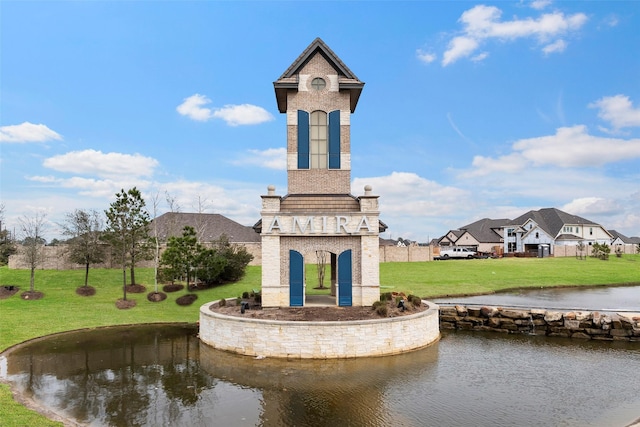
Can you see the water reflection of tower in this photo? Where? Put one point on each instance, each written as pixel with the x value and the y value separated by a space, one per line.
pixel 319 392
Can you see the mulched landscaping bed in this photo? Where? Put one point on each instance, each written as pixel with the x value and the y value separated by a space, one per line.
pixel 136 289
pixel 156 296
pixel 31 295
pixel 123 305
pixel 188 299
pixel 86 291
pixel 172 288
pixel 7 291
pixel 330 313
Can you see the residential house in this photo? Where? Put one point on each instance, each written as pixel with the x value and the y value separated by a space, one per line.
pixel 208 227
pixel 542 229
pixel 485 235
pixel 621 239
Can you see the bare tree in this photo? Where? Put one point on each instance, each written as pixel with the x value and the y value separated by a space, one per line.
pixel 321 257
pixel 33 229
pixel 201 224
pixel 580 250
pixel 155 203
pixel 84 227
pixel 171 227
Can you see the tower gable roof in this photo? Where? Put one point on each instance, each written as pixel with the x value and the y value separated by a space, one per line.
pixel 347 80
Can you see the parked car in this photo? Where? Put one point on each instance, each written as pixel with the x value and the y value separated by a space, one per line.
pixel 456 253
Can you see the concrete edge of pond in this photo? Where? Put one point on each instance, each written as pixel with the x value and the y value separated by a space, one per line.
pixel 319 339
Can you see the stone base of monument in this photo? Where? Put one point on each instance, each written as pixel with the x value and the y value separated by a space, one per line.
pixel 319 339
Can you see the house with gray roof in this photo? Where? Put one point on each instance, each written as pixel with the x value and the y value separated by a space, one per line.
pixel 208 227
pixel 528 233
pixel 547 227
pixel 484 235
pixel 621 239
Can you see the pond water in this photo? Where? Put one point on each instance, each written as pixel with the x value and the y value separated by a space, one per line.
pixel 161 375
pixel 602 298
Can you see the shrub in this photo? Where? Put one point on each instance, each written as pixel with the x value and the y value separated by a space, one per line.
pixel 222 302
pixel 600 251
pixel 382 310
pixel 245 295
pixel 415 300
pixel 385 296
pixel 377 304
pixel 618 251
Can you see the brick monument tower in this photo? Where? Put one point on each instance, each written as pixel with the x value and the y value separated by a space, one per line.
pixel 318 93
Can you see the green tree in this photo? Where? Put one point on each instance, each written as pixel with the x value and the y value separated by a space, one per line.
pixel 237 259
pixel 183 254
pixel 84 229
pixel 212 265
pixel 7 243
pixel 600 251
pixel 128 231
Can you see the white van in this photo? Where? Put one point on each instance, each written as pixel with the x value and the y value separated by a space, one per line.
pixel 456 253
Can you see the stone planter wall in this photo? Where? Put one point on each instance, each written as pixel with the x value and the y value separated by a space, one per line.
pixel 319 340
pixel 574 324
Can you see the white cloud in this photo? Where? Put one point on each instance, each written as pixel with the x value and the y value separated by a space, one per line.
pixel 574 147
pixel 427 198
pixel 480 57
pixel 557 46
pixel 271 158
pixel 617 110
pixel 586 206
pixel 569 147
pixel 91 187
pixel 540 4
pixel 413 207
pixel 483 166
pixel 426 57
pixel 459 47
pixel 192 107
pixel 92 162
pixel 28 132
pixel 234 115
pixel 245 114
pixel 482 23
pixel 612 20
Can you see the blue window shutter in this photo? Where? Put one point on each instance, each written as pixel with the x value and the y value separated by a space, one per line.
pixel 345 295
pixel 296 279
pixel 303 140
pixel 334 139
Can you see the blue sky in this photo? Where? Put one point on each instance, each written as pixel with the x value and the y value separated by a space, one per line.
pixel 470 109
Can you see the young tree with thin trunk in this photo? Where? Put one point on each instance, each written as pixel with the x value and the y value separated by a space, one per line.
pixel 128 230
pixel 155 203
pixel 84 227
pixel 33 229
pixel 321 262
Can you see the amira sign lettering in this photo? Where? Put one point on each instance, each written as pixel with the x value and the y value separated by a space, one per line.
pixel 325 224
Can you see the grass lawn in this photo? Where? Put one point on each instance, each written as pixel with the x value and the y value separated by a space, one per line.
pixel 62 310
